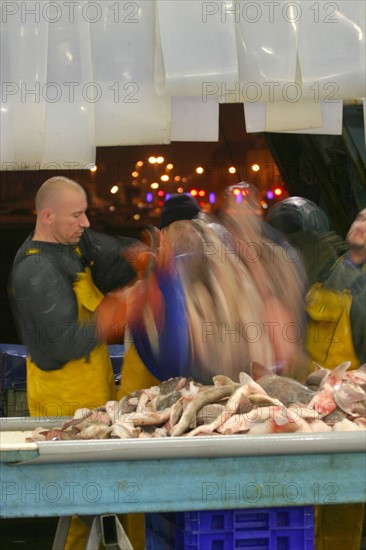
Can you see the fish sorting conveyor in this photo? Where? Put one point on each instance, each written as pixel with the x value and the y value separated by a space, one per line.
pixel 60 478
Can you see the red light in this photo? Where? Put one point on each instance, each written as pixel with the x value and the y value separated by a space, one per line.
pixel 194 192
pixel 161 193
pixel 160 203
pixel 278 191
pixel 202 193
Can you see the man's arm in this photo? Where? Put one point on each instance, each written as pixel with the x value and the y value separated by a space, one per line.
pixel 46 312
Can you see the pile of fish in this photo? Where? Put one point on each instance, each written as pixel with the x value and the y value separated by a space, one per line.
pixel 260 403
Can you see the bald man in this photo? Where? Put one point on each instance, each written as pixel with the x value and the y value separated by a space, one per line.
pixel 60 289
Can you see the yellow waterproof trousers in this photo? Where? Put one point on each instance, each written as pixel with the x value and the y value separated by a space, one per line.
pixel 135 376
pixel 339 526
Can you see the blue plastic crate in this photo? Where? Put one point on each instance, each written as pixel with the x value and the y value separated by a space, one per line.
pixel 154 542
pixel 279 539
pixel 285 528
pixel 274 518
pixel 205 521
pixel 219 540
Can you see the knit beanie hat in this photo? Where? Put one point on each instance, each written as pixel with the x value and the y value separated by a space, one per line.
pixel 179 206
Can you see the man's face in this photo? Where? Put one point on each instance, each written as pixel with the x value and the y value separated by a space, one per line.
pixel 356 236
pixel 68 219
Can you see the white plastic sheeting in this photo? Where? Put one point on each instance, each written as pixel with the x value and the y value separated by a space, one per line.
pixel 78 74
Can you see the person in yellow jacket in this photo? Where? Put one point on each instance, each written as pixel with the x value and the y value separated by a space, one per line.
pixel 73 290
pixel 335 304
pixel 336 307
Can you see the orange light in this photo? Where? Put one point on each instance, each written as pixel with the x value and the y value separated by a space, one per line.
pixel 193 192
pixel 236 191
pixel 202 193
pixel 278 191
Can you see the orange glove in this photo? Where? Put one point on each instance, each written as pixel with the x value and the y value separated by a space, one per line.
pixel 126 306
pixel 119 308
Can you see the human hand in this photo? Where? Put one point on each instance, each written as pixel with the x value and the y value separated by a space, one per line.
pixel 119 308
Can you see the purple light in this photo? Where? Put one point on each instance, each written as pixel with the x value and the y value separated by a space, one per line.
pixel 212 198
pixel 149 197
pixel 167 196
pixel 239 198
pixel 270 194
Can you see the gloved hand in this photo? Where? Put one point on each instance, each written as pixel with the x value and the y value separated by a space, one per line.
pixel 119 308
pixel 126 306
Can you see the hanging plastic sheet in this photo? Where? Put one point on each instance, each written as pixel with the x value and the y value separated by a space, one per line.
pixel 195 120
pixel 130 111
pixel 332 50
pixel 70 93
pixel 298 118
pixel 266 37
pixel 7 126
pixel 24 38
pixel 76 75
pixel 198 47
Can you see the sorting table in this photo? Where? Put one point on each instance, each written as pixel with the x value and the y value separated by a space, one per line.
pixel 61 478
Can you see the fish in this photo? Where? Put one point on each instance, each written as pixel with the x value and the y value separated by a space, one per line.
pixel 346 425
pixel 209 396
pixel 315 379
pixel 209 413
pixel 358 376
pixel 351 398
pixel 287 390
pixel 324 399
pixel 95 431
pixel 226 407
pixel 59 435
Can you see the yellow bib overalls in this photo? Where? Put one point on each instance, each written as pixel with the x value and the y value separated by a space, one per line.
pixel 84 382
pixel 329 343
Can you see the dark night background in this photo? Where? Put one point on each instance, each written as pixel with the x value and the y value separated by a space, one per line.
pixel 330 170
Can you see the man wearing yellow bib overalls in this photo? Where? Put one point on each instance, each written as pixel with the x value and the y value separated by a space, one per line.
pixel 337 332
pixel 60 289
pixel 336 308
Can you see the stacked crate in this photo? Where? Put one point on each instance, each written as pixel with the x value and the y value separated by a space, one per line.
pixel 287 528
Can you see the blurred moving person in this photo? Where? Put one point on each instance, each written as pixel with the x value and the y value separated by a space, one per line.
pixel 244 298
